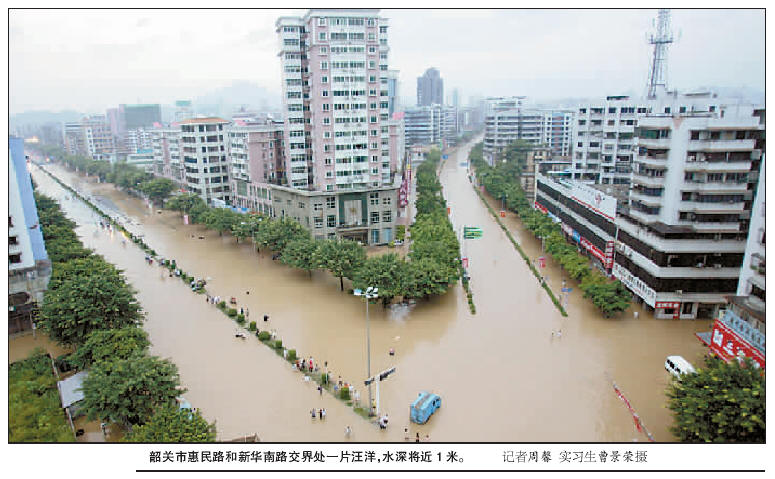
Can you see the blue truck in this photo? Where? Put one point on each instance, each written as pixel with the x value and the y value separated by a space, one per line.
pixel 422 407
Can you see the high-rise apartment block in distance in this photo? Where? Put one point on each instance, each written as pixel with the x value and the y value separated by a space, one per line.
pixel 165 142
pixel 92 137
pixel 183 110
pixel 337 135
pixel 139 116
pixel 507 120
pixel 393 95
pixel 206 169
pixel 257 161
pixel 29 267
pixel 430 88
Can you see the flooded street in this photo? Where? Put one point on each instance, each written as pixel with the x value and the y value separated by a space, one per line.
pixel 501 375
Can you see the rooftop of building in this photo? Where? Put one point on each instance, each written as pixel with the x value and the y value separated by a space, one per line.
pixel 211 119
pixel 751 304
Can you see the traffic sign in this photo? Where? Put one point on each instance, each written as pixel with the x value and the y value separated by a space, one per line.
pixel 444 157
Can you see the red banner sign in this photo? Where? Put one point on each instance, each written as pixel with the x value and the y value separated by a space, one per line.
pixel 540 207
pixel 465 263
pixel 726 344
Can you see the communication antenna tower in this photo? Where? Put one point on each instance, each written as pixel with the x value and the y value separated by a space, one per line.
pixel 661 39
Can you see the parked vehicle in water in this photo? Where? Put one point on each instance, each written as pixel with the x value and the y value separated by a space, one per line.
pixel 422 407
pixel 677 365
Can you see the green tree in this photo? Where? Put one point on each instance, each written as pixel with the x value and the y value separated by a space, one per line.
pixel 342 258
pixel 247 226
pixel 221 219
pixel 84 295
pixel 171 424
pixel 276 233
pixel 128 391
pixel 426 277
pixel 158 189
pixel 722 402
pixel 110 344
pixel 34 410
pixel 302 254
pixel 185 202
pixel 388 272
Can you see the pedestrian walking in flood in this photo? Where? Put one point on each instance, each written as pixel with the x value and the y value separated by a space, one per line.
pixel 247 313
pixel 314 413
pixel 406 434
pixel 340 381
pixel 320 390
pixel 321 413
pixel 559 333
pixel 347 431
pixel 266 317
pixel 427 438
pixel 417 437
pixel 242 311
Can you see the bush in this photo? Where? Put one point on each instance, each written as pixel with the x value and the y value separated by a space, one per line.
pixel 400 232
pixel 241 318
pixel 291 355
pixel 231 312
pixel 278 344
pixel 264 335
pixel 344 393
pixel 392 244
pixel 222 305
pixel 252 326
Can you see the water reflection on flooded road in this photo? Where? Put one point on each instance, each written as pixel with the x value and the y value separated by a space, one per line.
pixel 501 375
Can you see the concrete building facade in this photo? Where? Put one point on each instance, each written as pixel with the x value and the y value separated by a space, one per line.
pixel 203 149
pixel 257 160
pixel 335 79
pixel 29 267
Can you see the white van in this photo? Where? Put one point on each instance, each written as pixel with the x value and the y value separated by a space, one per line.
pixel 677 365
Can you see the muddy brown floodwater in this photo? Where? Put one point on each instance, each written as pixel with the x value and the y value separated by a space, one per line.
pixel 501 375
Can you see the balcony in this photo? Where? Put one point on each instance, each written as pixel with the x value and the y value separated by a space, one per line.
pixel 656 143
pixel 647 180
pixel 652 161
pixel 712 207
pixel 721 145
pixel 704 186
pixel 646 199
pixel 719 166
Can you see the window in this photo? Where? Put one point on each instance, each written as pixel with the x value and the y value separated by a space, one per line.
pixel 321 21
pixel 323 79
pixel 326 121
pixel 386 200
pixel 387 216
pixel 374 198
pixel 17 258
pixel 331 220
pixel 326 106
pixel 324 65
pixel 374 217
pixel 322 36
pixel 301 205
pixel 318 222
pixel 331 202
pixel 372 64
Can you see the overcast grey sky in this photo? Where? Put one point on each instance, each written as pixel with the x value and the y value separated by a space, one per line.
pixel 90 60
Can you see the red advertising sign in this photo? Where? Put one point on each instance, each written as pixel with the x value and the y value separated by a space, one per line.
pixel 542 262
pixel 726 344
pixel 540 207
pixel 609 254
pixel 465 263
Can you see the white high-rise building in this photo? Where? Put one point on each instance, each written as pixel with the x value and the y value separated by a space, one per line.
pixel 508 119
pixel 203 148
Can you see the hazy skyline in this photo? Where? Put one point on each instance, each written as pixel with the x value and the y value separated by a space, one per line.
pixel 89 60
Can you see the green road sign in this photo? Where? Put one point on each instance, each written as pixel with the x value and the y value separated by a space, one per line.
pixel 471 232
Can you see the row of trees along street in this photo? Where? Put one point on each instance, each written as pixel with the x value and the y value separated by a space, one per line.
pixel 721 402
pixel 90 308
pixel 434 254
pixel 502 181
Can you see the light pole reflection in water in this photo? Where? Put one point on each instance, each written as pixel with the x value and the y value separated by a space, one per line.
pixel 370 293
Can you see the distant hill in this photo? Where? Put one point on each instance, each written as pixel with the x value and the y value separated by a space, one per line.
pixel 40 117
pixel 226 100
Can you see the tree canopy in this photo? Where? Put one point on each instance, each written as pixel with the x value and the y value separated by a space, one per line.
pixel 110 344
pixel 86 294
pixel 722 402
pixel 128 391
pixel 171 424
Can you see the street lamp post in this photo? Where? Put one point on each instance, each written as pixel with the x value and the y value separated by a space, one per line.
pixel 370 293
